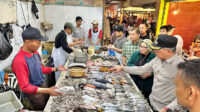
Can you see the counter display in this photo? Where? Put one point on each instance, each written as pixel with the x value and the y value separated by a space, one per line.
pixel 98 90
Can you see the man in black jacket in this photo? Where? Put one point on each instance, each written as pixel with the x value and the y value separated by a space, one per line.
pixel 62 46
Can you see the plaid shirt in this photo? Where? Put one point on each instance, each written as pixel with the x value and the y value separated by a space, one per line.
pixel 130 48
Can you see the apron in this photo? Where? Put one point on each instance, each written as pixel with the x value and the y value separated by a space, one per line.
pixel 95 37
pixel 59 58
pixel 36 78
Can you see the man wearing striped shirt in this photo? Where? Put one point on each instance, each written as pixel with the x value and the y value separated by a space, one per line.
pixel 132 45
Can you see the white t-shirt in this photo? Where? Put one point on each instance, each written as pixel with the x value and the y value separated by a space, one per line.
pixel 69 38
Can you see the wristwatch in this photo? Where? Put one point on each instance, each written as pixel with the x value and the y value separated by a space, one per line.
pixel 56 69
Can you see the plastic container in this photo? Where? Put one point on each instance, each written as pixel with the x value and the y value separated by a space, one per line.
pixel 96 47
pixel 9 102
pixel 91 50
pixel 77 72
pixel 111 52
pixel 81 57
pixel 2 73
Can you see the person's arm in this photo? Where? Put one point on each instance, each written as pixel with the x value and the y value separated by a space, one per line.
pixel 64 45
pixel 173 104
pixel 91 43
pixel 48 70
pixel 83 39
pixel 83 35
pixel 75 43
pixel 52 91
pixel 100 38
pixel 124 55
pixel 89 37
pixel 116 49
pixel 124 60
pixel 120 50
pixel 140 70
pixel 99 41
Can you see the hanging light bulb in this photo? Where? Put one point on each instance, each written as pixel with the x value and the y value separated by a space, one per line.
pixel 175 12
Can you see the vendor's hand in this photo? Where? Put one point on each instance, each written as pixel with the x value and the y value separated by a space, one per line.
pixel 82 41
pixel 111 47
pixel 117 69
pixel 96 44
pixel 78 42
pixel 75 39
pixel 144 76
pixel 108 45
pixel 61 68
pixel 162 110
pixel 53 92
pixel 91 44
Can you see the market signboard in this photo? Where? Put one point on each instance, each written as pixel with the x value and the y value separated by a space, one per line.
pixel 87 3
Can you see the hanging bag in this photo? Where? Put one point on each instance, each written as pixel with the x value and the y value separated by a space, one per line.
pixel 6 33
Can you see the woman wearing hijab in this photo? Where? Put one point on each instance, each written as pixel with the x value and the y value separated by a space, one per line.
pixel 139 58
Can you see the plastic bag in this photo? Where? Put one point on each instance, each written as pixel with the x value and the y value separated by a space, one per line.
pixel 5 43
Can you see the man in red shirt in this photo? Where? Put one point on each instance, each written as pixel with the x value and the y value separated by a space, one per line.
pixel 29 70
pixel 95 34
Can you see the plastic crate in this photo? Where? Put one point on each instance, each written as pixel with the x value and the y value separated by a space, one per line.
pixel 9 102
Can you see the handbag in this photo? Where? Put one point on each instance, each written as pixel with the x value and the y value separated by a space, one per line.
pixel 6 33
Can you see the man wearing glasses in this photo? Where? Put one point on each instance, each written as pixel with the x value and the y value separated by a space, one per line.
pixel 164 67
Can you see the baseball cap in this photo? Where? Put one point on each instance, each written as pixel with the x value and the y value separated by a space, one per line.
pixel 69 25
pixel 164 41
pixel 33 33
pixel 95 22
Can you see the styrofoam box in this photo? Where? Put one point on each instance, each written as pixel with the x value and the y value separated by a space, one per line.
pixel 9 102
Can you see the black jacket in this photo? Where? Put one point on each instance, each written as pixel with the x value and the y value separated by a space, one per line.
pixel 61 41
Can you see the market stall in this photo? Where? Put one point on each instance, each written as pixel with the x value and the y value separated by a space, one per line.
pixel 90 87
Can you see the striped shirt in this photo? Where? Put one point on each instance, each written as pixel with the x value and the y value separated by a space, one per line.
pixel 129 48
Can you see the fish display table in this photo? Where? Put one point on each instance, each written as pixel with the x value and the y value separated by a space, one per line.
pixel 98 91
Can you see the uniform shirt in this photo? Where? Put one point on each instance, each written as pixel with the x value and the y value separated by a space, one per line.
pixel 78 33
pixel 21 71
pixel 90 33
pixel 129 48
pixel 163 94
pixel 119 42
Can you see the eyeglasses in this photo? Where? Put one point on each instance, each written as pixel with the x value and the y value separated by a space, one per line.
pixel 143 47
